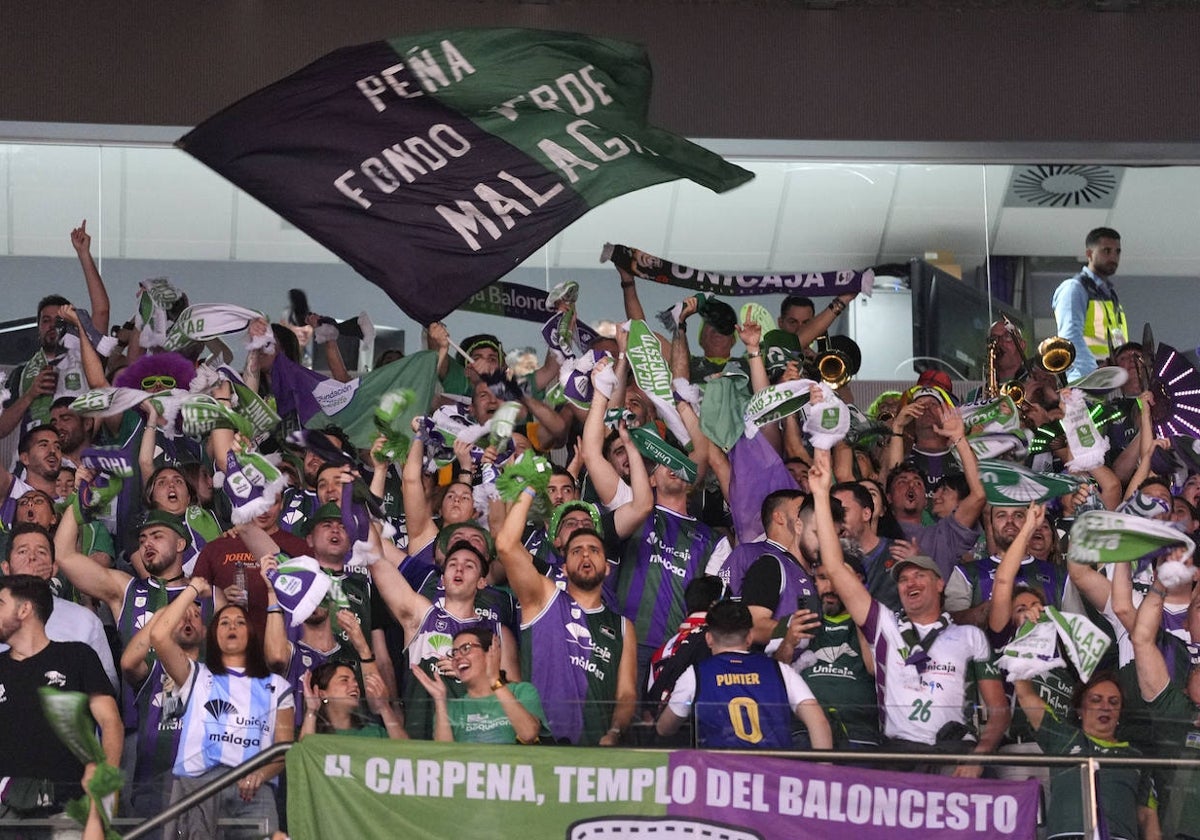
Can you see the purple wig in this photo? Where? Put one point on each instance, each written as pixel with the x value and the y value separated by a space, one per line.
pixel 157 364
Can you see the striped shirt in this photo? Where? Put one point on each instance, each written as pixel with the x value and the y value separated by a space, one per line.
pixel 656 566
pixel 229 718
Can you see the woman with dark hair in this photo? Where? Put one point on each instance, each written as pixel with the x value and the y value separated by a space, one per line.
pixel 168 488
pixel 494 711
pixel 1122 793
pixel 234 708
pixel 332 703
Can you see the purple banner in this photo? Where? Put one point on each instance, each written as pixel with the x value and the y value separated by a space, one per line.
pixel 777 798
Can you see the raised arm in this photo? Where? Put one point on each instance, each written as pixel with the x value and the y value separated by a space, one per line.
pixel 1146 445
pixel 81 241
pixel 175 661
pixel 680 354
pixel 1152 672
pixel 751 335
pixel 379 468
pixel 276 647
pixel 418 513
pixel 896 448
pixel 437 338
pixel 845 582
pixel 406 605
pixel 628 518
pixel 601 473
pixel 1000 611
pixel 951 428
pixel 629 296
pixel 700 442
pixel 333 352
pixel 260 359
pixel 1121 595
pixel 93 365
pixel 1091 583
pixel 823 320
pixel 148 442
pixel 93 580
pixel 1031 704
pixel 532 589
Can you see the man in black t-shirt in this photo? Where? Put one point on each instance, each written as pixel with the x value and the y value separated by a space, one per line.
pixel 31 662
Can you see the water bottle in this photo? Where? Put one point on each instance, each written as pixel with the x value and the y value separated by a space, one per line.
pixel 239 580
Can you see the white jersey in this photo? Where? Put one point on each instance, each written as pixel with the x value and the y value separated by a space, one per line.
pixel 229 718
pixel 915 705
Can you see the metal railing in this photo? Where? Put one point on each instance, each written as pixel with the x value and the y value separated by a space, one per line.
pixel 212 788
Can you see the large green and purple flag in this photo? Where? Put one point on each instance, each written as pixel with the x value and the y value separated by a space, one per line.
pixel 434 164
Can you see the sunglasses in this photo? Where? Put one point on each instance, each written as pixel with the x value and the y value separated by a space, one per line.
pixel 160 382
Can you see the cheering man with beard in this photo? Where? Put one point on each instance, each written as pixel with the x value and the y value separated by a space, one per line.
pixel 774 576
pixel 586 665
pixel 41 456
pixel 974 580
pixel 838 668
pixel 161 539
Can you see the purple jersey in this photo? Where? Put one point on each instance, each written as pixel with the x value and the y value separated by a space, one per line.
pixel 578 656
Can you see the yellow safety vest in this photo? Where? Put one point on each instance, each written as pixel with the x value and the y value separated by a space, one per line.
pixel 1104 322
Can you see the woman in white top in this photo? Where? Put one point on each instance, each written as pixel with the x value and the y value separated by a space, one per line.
pixel 234 708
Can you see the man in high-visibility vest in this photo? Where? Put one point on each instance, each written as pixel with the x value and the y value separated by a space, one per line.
pixel 1086 307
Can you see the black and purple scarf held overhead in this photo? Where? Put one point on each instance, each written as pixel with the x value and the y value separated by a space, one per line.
pixel 806 283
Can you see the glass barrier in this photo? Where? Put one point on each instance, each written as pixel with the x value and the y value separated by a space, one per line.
pixel 1016 230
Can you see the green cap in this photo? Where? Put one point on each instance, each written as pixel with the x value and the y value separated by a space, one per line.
pixel 325 513
pixel 169 520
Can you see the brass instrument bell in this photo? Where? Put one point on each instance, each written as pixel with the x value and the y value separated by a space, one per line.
pixel 1056 354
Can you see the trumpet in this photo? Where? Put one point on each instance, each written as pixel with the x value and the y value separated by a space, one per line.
pixel 838 359
pixel 1056 354
pixel 1014 390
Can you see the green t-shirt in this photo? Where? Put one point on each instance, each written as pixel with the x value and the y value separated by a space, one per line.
pixel 1119 790
pixel 841 683
pixel 1055 688
pixel 482 720
pixel 1176 726
pixel 371 730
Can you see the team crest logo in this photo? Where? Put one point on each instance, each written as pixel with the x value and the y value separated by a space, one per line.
pixel 580 635
pixel 219 708
pixel 832 654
